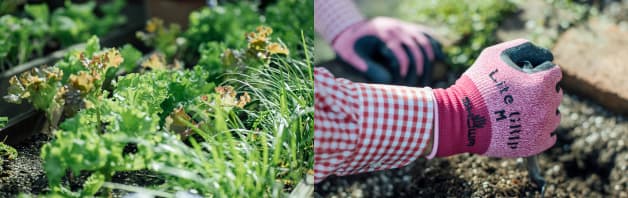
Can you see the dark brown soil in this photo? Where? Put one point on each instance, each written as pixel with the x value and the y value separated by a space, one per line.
pixel 26 173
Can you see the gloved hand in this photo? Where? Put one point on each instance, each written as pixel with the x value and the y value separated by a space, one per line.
pixel 505 105
pixel 387 50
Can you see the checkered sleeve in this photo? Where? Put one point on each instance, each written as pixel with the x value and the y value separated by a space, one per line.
pixel 368 127
pixel 331 17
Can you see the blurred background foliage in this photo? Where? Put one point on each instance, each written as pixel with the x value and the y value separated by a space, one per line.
pixel 467 27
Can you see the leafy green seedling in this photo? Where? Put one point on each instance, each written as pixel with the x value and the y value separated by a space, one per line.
pixel 3 121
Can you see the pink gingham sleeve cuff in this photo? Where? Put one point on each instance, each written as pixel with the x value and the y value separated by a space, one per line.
pixel 436 133
pixel 331 17
pixel 368 127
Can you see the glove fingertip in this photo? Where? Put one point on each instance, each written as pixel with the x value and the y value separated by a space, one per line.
pixel 437 48
pixel 377 74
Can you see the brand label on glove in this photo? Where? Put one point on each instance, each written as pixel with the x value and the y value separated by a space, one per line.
pixel 513 117
pixel 474 121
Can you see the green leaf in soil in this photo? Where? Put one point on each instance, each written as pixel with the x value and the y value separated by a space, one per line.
pixel 7 152
pixel 131 56
pixel 3 121
pixel 93 184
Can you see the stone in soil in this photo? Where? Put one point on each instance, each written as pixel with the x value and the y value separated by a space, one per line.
pixel 593 58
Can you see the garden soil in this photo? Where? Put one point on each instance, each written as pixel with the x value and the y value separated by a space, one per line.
pixel 26 173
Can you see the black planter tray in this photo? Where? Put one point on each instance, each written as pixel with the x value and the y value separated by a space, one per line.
pixel 25 121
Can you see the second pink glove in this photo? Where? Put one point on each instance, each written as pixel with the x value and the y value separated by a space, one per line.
pixel 390 51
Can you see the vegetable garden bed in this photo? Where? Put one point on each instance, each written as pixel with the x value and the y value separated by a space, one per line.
pixel 23 119
pixel 213 112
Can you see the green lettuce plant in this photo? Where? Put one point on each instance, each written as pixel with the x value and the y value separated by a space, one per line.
pixel 23 38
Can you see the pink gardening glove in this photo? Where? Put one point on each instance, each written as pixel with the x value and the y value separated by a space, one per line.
pixel 505 105
pixel 387 50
